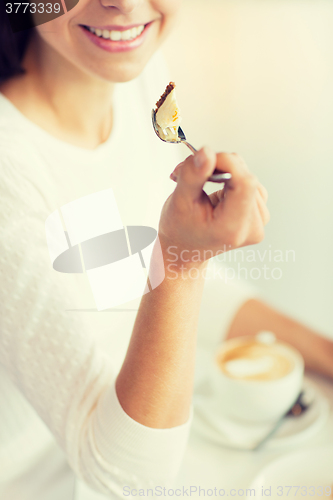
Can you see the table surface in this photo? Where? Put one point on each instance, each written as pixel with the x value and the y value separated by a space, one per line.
pixel 210 465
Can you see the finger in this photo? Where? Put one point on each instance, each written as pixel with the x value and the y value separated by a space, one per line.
pixel 216 197
pixel 256 231
pixel 262 207
pixel 241 189
pixel 232 163
pixel 263 191
pixel 225 162
pixel 243 211
pixel 194 172
pixel 174 174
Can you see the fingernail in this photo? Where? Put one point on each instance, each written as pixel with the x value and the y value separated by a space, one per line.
pixel 200 158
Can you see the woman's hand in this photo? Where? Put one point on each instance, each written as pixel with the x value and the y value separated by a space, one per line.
pixel 197 223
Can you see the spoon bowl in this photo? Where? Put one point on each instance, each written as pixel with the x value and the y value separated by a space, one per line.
pixel 217 175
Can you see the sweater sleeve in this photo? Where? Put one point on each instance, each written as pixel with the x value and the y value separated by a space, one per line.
pixel 56 364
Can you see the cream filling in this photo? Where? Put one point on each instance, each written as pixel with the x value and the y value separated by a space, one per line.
pixel 118 35
pixel 168 117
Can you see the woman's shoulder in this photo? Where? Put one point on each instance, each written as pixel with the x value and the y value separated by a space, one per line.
pixel 13 140
pixel 20 164
pixel 15 147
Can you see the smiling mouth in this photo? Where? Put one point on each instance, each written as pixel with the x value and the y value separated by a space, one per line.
pixel 117 36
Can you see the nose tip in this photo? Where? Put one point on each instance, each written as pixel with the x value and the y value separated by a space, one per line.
pixel 124 6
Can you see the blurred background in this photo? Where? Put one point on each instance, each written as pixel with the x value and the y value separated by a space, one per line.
pixel 256 77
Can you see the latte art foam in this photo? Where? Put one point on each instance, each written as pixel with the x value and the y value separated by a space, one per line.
pixel 255 361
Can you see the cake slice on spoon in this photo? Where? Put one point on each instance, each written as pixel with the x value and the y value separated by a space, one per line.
pixel 168 116
pixel 166 121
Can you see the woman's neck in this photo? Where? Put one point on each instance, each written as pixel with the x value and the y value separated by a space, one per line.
pixel 61 99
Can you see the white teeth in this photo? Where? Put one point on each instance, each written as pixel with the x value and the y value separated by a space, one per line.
pixel 118 35
pixel 115 36
pixel 126 35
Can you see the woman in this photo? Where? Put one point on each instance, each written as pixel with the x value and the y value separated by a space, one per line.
pixel 68 130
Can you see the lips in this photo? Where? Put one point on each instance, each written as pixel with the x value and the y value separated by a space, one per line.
pixel 117 38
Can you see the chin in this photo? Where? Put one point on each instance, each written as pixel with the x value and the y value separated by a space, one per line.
pixel 119 73
pixel 122 76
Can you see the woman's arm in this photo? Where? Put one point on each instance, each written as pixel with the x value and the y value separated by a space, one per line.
pixel 255 316
pixel 155 382
pixel 154 385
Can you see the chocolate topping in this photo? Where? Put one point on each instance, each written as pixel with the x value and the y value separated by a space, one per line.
pixel 167 91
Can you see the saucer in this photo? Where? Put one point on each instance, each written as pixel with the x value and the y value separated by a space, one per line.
pixel 210 423
pixel 310 470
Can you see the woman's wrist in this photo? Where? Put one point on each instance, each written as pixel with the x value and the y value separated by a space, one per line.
pixel 180 262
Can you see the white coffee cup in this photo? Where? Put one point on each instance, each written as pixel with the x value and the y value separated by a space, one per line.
pixel 257 379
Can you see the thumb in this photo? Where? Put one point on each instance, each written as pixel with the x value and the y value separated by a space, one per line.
pixel 194 172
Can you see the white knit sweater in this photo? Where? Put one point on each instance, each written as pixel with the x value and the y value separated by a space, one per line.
pixel 59 356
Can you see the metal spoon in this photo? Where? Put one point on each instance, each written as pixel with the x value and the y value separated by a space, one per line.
pixel 217 175
pixel 299 407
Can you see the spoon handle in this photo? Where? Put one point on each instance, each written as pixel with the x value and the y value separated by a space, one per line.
pixel 217 175
pixel 190 147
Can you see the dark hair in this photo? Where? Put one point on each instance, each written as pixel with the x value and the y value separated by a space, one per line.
pixel 12 46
